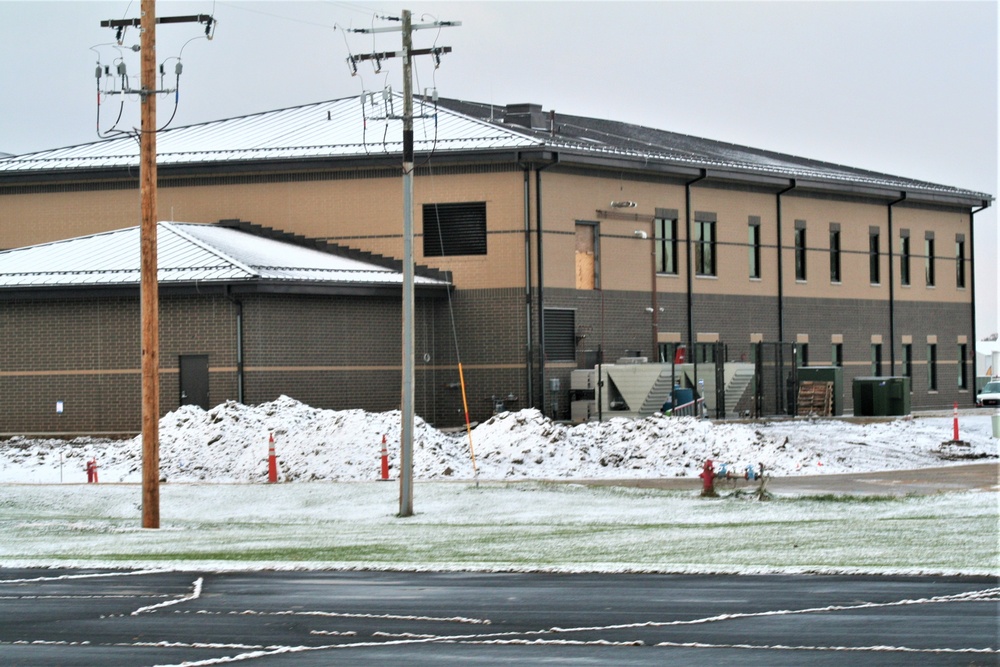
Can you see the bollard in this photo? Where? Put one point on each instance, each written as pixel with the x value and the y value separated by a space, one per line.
pixel 272 461
pixel 955 437
pixel 385 461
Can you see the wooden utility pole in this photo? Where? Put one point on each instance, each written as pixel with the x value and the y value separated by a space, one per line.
pixel 149 285
pixel 408 375
pixel 149 302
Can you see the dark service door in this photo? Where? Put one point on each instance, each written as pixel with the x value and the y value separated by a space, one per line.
pixel 194 380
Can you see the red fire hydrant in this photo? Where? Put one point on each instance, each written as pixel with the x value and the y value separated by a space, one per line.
pixel 708 479
pixel 92 471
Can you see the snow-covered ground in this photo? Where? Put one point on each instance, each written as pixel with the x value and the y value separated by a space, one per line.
pixel 510 518
pixel 229 443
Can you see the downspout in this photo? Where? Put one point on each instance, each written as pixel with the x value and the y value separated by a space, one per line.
pixel 688 215
pixel 541 287
pixel 892 294
pixel 239 345
pixel 781 279
pixel 529 355
pixel 972 284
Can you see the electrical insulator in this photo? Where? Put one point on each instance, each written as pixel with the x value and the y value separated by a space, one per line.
pixel 178 68
pixel 98 72
pixel 121 69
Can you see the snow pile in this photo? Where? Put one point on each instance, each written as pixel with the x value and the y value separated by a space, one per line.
pixel 229 443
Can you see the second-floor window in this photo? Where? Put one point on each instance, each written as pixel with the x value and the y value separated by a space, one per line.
pixel 834 253
pixel 704 249
pixel 800 249
pixel 874 273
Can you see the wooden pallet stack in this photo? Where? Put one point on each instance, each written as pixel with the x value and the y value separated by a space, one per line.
pixel 815 398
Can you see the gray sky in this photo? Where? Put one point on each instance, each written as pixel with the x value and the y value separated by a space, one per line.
pixel 907 88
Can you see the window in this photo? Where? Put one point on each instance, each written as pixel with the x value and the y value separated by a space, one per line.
pixel 960 260
pixel 803 352
pixel 904 256
pixel 834 252
pixel 932 382
pixel 705 352
pixel 908 362
pixel 874 275
pixel 587 256
pixel 800 249
pixel 963 370
pixel 560 334
pixel 929 258
pixel 454 229
pixel 753 244
pixel 877 359
pixel 666 244
pixel 704 244
pixel 837 354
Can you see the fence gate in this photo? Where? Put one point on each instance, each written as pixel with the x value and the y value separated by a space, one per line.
pixel 776 379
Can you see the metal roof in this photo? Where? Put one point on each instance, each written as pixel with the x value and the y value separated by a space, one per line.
pixel 358 127
pixel 187 253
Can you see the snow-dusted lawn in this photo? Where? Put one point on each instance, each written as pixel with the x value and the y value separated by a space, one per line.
pixel 329 513
pixel 495 526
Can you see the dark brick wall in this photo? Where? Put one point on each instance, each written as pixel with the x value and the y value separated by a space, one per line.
pixel 86 353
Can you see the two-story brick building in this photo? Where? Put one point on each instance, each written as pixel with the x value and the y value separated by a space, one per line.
pixel 562 237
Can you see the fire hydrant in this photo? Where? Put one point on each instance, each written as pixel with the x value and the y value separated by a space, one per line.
pixel 708 480
pixel 92 471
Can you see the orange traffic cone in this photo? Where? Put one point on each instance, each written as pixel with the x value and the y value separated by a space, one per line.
pixel 272 461
pixel 385 461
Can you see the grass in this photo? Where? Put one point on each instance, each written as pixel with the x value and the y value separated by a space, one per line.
pixel 523 526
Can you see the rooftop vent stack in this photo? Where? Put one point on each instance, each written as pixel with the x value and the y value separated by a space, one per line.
pixel 526 115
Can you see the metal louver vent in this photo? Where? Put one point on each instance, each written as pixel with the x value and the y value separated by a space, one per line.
pixel 560 329
pixel 454 229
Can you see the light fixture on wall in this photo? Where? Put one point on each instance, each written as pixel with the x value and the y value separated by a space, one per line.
pixel 623 204
pixel 640 234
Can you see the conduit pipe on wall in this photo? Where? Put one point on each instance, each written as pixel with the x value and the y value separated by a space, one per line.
pixel 781 279
pixel 688 215
pixel 239 345
pixel 892 293
pixel 528 354
pixel 541 287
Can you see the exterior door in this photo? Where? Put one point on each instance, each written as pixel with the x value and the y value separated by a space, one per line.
pixel 194 380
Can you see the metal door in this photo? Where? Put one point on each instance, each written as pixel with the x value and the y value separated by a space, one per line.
pixel 194 380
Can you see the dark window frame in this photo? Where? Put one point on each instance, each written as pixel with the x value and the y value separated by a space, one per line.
pixel 929 276
pixel 665 230
pixel 704 242
pixel 932 374
pixel 800 250
pixel 874 256
pixel 960 261
pixel 836 274
pixel 754 245
pixel 904 257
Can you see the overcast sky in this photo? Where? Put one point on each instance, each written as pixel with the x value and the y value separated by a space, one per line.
pixel 906 88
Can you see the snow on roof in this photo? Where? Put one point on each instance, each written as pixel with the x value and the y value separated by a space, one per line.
pixel 355 127
pixel 186 253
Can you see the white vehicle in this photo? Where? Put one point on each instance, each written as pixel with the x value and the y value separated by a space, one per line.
pixel 990 395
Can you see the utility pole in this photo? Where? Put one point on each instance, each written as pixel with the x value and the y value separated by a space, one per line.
pixel 148 283
pixel 408 374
